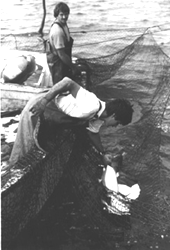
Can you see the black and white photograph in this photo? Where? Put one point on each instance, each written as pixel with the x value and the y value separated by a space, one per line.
pixel 85 124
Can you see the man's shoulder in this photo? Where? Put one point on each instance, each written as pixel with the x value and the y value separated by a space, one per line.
pixel 56 29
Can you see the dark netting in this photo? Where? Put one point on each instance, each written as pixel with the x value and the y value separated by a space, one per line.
pixel 27 42
pixel 139 72
pixel 140 65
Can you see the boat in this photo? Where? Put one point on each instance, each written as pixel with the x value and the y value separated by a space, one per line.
pixel 13 99
pixel 20 180
pixel 14 96
pixel 35 176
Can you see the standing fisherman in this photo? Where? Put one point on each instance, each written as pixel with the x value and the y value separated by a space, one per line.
pixel 59 47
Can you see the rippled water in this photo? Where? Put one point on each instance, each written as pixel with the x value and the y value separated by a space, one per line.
pixel 20 16
pixel 130 16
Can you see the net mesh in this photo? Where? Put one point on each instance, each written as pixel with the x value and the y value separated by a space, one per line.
pixel 139 72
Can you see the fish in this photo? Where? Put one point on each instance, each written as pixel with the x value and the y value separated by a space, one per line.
pixel 120 194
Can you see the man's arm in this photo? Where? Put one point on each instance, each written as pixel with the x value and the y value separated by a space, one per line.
pixel 66 60
pixel 96 140
pixel 66 84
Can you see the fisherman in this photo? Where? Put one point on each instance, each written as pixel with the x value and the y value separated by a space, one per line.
pixel 68 102
pixel 59 46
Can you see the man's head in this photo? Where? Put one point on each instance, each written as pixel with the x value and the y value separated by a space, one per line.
pixel 121 110
pixel 61 11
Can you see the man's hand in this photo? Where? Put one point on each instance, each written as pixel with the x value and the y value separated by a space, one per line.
pixel 107 159
pixel 39 107
pixel 76 71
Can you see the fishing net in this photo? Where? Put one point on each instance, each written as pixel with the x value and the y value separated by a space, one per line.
pixel 139 72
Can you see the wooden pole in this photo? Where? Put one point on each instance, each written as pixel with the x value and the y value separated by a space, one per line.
pixel 43 19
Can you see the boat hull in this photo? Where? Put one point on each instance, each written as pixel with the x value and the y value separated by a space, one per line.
pixel 27 186
pixel 15 97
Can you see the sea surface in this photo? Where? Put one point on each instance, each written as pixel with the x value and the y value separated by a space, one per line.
pixel 127 19
pixel 24 16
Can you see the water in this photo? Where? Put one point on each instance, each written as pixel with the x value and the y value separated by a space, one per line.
pixel 20 16
pixel 127 17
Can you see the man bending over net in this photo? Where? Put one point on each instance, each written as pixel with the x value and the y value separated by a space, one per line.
pixel 75 104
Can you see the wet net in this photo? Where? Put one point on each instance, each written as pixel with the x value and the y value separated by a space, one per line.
pixel 139 72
